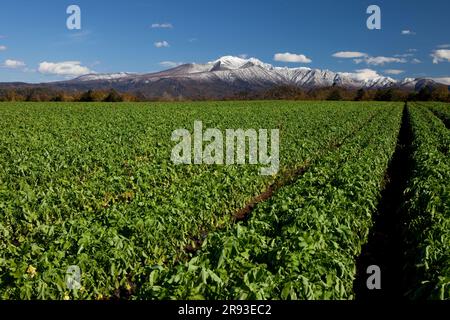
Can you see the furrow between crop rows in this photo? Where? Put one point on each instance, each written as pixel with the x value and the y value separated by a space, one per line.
pixel 385 246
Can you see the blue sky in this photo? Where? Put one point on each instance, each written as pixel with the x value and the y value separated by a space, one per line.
pixel 118 36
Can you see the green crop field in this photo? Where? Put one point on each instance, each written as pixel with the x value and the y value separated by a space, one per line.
pixel 93 185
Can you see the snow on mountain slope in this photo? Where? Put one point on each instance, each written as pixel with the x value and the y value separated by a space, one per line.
pixel 416 84
pixel 104 76
pixel 234 63
pixel 252 75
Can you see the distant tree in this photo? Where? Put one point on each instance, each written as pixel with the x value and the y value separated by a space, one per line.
pixel 129 97
pixel 440 93
pixel 424 94
pixel 13 95
pixel 412 96
pixel 88 96
pixel 384 95
pixel 92 95
pixel 60 97
pixel 282 93
pixel 399 95
pixel 335 95
pixel 113 96
pixel 360 95
pixel 39 94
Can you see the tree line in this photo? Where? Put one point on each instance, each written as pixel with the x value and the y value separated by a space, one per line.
pixel 49 94
pixel 427 93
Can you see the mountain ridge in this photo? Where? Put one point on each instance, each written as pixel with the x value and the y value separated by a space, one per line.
pixel 228 76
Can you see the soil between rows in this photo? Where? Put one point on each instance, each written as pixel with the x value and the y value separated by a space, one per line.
pixel 385 246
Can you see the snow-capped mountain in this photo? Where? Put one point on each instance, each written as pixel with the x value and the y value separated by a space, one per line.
pixel 228 76
pixel 415 84
pixel 247 73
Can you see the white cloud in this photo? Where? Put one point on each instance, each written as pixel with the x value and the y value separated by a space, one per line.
pixel 394 71
pixel 3 48
pixel 415 61
pixel 291 57
pixel 170 64
pixel 443 46
pixel 363 74
pixel 366 74
pixel 349 54
pixel 65 68
pixel 13 64
pixel 444 80
pixel 408 33
pixel 162 25
pixel 162 44
pixel 376 61
pixel 412 50
pixel 440 56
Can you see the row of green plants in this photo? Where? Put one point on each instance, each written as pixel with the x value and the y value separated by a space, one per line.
pixel 427 231
pixel 302 242
pixel 441 110
pixel 92 185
